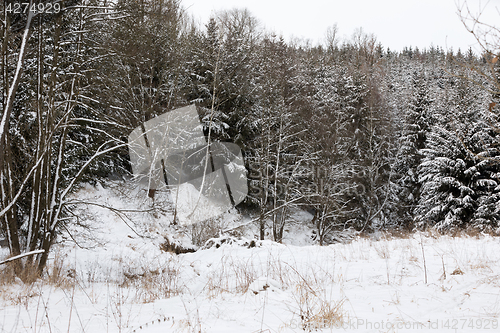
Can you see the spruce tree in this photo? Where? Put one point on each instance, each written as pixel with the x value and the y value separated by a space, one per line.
pixel 415 130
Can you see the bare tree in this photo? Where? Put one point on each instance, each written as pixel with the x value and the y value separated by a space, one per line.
pixel 7 189
pixel 487 36
pixel 331 37
pixel 39 191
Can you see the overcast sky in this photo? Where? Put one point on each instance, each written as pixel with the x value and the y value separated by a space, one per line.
pixel 395 23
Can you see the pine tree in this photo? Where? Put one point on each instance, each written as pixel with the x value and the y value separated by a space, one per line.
pixel 459 179
pixel 415 130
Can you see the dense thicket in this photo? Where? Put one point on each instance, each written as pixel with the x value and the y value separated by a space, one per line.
pixel 361 136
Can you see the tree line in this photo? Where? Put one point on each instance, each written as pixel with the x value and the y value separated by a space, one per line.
pixel 361 136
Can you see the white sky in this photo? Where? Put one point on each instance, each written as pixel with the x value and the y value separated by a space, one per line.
pixel 395 23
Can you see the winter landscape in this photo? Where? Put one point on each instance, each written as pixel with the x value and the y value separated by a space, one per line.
pixel 115 277
pixel 159 174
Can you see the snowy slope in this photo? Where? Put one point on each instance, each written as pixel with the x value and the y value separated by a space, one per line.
pixel 117 279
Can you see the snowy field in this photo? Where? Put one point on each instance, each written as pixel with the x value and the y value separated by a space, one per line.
pixel 112 274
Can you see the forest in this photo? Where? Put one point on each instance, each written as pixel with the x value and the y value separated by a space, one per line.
pixel 361 136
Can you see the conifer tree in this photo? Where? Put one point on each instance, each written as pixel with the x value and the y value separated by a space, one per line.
pixel 415 130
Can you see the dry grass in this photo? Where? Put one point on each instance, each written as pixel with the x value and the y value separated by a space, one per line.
pixel 474 232
pixel 279 271
pixel 309 298
pixel 203 231
pixel 400 233
pixel 20 288
pixel 232 275
pixel 60 275
pixel 152 283
pixel 315 309
pixel 7 274
pixel 382 249
pixel 19 294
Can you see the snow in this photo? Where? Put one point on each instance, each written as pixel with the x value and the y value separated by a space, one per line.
pixel 193 206
pixel 117 279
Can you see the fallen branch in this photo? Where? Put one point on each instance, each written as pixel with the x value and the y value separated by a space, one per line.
pixel 22 256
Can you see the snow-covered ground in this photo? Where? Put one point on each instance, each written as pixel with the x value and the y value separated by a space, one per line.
pixel 110 274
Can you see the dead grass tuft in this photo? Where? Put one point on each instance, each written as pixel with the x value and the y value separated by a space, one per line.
pixel 315 310
pixel 7 274
pixel 382 249
pixel 59 275
pixel 151 284
pixel 231 276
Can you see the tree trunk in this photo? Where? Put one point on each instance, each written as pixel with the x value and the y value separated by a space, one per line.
pixel 7 187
